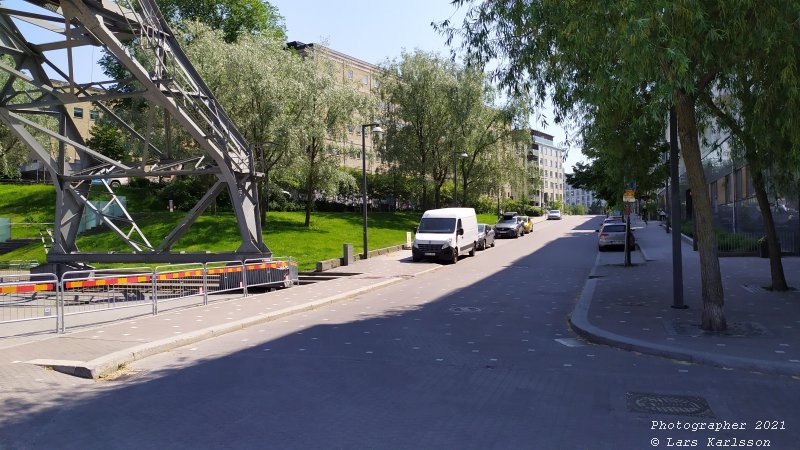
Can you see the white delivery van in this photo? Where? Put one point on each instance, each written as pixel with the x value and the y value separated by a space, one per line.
pixel 445 234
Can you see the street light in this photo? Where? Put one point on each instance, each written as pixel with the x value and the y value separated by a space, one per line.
pixel 455 170
pixel 376 129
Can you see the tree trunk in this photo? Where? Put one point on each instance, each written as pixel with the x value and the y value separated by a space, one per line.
pixel 775 263
pixel 424 190
pixel 713 317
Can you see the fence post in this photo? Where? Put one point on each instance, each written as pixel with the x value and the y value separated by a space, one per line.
pixel 154 295
pixel 244 277
pixel 59 306
pixel 205 284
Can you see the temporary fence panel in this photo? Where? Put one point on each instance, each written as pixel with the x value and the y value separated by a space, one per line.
pixel 29 297
pixel 179 281
pixel 274 272
pixel 5 229
pixel 101 290
pixel 225 276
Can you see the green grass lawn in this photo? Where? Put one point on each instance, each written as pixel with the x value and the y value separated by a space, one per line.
pixel 284 232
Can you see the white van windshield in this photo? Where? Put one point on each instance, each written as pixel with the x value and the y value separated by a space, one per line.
pixel 437 225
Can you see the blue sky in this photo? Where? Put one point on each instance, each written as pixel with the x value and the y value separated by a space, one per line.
pixel 374 31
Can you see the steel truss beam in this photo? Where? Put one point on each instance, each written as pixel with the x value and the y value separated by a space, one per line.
pixel 34 107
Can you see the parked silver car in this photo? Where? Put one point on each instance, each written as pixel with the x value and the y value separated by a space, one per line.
pixel 485 236
pixel 612 235
pixel 554 214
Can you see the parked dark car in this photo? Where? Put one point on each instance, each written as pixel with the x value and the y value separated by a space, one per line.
pixel 485 236
pixel 509 226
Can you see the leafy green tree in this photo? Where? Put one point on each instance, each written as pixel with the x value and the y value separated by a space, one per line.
pixel 261 95
pixel 419 136
pixel 326 107
pixel 667 52
pixel 108 139
pixel 235 18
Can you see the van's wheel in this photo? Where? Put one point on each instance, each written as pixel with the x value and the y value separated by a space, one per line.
pixel 455 256
pixel 472 250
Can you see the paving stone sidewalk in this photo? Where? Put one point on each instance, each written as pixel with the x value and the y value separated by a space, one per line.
pixel 96 351
pixel 630 307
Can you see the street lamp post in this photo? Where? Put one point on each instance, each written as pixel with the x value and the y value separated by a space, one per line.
pixel 455 171
pixel 376 129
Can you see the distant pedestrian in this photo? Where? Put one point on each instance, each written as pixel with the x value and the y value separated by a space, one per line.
pixel 644 214
pixel 662 215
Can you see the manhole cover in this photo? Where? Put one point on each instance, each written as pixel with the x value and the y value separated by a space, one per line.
pixel 465 309
pixel 679 405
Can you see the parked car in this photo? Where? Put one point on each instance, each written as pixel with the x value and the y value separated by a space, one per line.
pixel 485 236
pixel 508 226
pixel 612 235
pixel 554 214
pixel 612 220
pixel 527 224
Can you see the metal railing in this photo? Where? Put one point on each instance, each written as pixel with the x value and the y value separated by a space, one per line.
pixel 25 230
pixel 141 290
pixel 26 297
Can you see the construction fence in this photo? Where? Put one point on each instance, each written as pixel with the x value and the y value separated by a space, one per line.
pixel 102 295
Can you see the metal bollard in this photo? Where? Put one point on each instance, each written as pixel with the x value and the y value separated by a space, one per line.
pixel 348 256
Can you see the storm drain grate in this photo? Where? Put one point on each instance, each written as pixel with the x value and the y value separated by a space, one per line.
pixel 465 309
pixel 678 405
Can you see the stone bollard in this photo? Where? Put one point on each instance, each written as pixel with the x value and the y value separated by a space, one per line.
pixel 348 256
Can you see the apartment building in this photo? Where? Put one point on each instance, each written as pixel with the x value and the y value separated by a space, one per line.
pixel 549 160
pixel 84 114
pixel 577 196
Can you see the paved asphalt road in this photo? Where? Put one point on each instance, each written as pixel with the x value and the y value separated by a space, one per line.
pixel 476 355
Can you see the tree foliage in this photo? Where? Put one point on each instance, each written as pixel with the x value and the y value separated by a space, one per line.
pixel 439 111
pixel 666 53
pixel 234 18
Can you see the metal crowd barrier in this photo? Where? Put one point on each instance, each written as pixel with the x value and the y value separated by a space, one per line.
pixel 178 281
pixel 29 297
pixel 41 296
pixel 85 291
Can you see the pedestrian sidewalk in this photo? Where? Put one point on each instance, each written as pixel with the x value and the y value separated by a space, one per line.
pixel 97 351
pixel 630 307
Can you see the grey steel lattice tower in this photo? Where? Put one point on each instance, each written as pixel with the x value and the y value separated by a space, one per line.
pixel 40 85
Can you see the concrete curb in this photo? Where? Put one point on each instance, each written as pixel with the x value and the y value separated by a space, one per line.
pixel 105 365
pixel 579 321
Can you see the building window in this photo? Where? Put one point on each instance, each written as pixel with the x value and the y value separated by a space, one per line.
pixel 350 129
pixel 94 114
pixel 349 74
pixel 77 113
pixel 376 83
pixel 365 79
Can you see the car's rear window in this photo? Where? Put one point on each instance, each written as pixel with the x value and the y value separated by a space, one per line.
pixel 614 229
